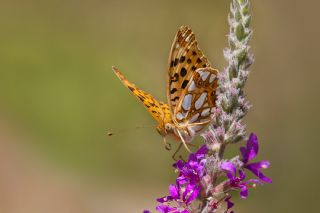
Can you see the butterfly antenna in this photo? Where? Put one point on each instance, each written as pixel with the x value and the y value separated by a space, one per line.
pixel 125 130
pixel 183 141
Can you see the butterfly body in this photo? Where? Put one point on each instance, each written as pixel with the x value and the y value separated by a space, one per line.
pixel 191 90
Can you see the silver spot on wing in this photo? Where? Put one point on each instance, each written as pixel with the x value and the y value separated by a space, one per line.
pixel 195 128
pixel 194 118
pixel 186 104
pixel 192 86
pixel 212 77
pixel 181 116
pixel 200 100
pixel 205 112
pixel 204 76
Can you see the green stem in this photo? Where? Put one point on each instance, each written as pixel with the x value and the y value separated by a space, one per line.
pixel 221 150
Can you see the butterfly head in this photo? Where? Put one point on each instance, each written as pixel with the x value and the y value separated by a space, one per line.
pixel 165 129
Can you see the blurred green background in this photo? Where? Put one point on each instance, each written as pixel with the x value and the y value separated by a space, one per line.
pixel 58 97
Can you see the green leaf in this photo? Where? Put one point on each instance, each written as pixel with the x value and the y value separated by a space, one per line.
pixel 245 10
pixel 240 32
pixel 247 21
pixel 242 56
pixel 238 16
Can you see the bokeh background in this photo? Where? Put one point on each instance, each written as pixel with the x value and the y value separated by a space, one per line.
pixel 58 97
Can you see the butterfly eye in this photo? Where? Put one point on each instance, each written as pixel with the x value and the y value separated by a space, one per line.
pixel 168 127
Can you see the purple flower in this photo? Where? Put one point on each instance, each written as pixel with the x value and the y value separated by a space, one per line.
pixel 193 170
pixel 146 211
pixel 248 153
pixel 234 181
pixel 187 186
pixel 182 196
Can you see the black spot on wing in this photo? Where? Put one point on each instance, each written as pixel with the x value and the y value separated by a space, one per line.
pixel 175 78
pixel 183 72
pixel 184 84
pixel 175 98
pixel 173 90
pixel 141 98
pixel 131 88
pixel 175 62
pixel 182 59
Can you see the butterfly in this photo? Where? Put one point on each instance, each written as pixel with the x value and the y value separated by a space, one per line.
pixel 191 91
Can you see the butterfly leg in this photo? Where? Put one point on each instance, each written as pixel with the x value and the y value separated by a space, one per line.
pixel 183 141
pixel 176 152
pixel 167 145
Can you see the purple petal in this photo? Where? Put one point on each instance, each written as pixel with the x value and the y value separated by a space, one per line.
pixel 192 157
pixel 189 188
pixel 179 164
pixel 265 178
pixel 242 175
pixel 243 151
pixel 203 150
pixel 146 211
pixel 181 180
pixel 255 169
pixel 193 195
pixel 252 146
pixel 165 199
pixel 164 208
pixel 264 164
pixel 185 211
pixel 230 204
pixel 174 191
pixel 244 191
pixel 229 168
pixel 254 181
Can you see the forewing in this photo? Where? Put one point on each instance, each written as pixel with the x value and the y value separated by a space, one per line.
pixel 196 104
pixel 184 59
pixel 155 108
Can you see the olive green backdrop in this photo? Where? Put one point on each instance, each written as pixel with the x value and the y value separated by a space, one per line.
pixel 59 97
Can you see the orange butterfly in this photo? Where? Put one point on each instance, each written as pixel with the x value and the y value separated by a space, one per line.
pixel 191 91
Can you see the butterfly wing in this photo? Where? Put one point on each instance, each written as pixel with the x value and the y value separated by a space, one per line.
pixel 184 59
pixel 196 104
pixel 192 85
pixel 157 109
